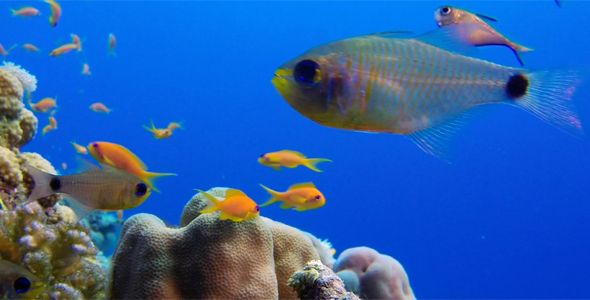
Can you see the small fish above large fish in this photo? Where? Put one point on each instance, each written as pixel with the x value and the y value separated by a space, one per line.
pixel 418 87
pixel 17 282
pixel 480 34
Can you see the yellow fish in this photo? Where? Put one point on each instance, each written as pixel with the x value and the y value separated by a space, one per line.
pixel 159 133
pixel 236 206
pixel 300 197
pixel 289 159
pixel 108 189
pixel 17 282
pixel 481 34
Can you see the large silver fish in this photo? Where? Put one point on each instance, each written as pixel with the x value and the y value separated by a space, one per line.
pixel 417 87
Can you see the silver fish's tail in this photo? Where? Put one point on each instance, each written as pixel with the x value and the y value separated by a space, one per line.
pixel 549 95
pixel 42 182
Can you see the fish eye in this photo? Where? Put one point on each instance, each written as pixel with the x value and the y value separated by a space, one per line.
pixel 445 10
pixel 22 285
pixel 262 155
pixel 318 197
pixel 95 145
pixel 257 208
pixel 307 73
pixel 140 189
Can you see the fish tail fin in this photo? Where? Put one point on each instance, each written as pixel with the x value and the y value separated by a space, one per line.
pixel 150 178
pixel 13 11
pixel 42 184
pixel 312 162
pixel 214 203
pixel 519 50
pixel 274 196
pixel 549 95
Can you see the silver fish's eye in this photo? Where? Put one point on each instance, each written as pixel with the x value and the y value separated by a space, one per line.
pixel 22 285
pixel 140 189
pixel 307 73
pixel 445 10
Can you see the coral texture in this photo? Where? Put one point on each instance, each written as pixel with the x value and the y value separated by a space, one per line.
pixel 207 257
pixel 317 281
pixel 371 275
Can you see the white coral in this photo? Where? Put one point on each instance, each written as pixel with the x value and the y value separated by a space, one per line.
pixel 28 81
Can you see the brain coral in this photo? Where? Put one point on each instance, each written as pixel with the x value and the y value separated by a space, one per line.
pixel 372 275
pixel 207 258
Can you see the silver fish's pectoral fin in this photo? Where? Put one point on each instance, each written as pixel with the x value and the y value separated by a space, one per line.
pixel 79 209
pixel 454 38
pixel 437 140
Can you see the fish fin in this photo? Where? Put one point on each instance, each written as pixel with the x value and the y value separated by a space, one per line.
pixel 236 219
pixel 42 180
pixel 299 199
pixel 214 203
pixel 294 152
pixel 486 17
pixel 84 165
pixel 436 140
pixel 275 166
pixel 150 177
pixel 300 209
pixel 550 96
pixel 451 38
pixel 148 129
pixel 79 209
pixel 233 193
pixel 301 185
pixel 519 51
pixel 224 216
pixel 274 196
pixel 311 163
pixel 286 205
pixel 558 3
pixel 391 34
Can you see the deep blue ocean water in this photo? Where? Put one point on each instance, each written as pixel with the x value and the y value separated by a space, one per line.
pixel 507 219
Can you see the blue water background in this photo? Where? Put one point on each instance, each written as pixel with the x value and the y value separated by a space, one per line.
pixel 508 219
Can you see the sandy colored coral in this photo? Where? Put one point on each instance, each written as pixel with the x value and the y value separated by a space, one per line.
pixel 11 94
pixel 60 253
pixel 371 275
pixel 317 281
pixel 207 258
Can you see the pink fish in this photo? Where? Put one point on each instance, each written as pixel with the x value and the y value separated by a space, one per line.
pixel 26 12
pixel 112 44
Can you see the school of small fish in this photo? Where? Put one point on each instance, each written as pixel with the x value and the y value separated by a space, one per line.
pixel 420 87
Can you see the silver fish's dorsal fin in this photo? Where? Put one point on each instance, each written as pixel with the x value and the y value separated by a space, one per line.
pixel 454 38
pixel 83 165
pixel 437 140
pixel 392 34
pixel 79 209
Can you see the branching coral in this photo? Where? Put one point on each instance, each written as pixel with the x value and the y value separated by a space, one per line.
pixel 207 257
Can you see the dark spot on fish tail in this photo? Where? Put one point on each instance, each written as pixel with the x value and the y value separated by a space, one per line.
pixel 140 189
pixel 21 285
pixel 305 72
pixel 55 184
pixel 517 86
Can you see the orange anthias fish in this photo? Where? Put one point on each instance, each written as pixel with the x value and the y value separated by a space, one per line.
pixel 236 206
pixel 5 52
pixel 76 41
pixel 112 44
pixel 55 12
pixel 419 87
pixel 64 166
pixel 63 49
pixel 121 158
pixel 53 122
pixel 158 133
pixel 44 105
pixel 25 12
pixel 300 197
pixel 289 159
pixel 85 69
pixel 481 34
pixel 79 148
pixel 30 48
pixel 47 129
pixel 100 108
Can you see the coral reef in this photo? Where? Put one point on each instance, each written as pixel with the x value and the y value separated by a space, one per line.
pixel 40 236
pixel 371 275
pixel 207 257
pixel 318 281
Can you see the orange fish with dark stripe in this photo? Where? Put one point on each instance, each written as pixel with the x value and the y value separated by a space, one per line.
pixel 419 87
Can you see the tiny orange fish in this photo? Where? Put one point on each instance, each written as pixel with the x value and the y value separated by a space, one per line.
pixel 63 49
pixel 55 12
pixel 64 166
pixel 117 156
pixel 79 148
pixel 289 159
pixel 158 133
pixel 30 48
pixel 76 41
pixel 44 105
pixel 112 44
pixel 25 12
pixel 53 122
pixel 120 216
pixel 300 197
pixel 5 52
pixel 236 206
pixel 100 108
pixel 47 129
pixel 86 69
